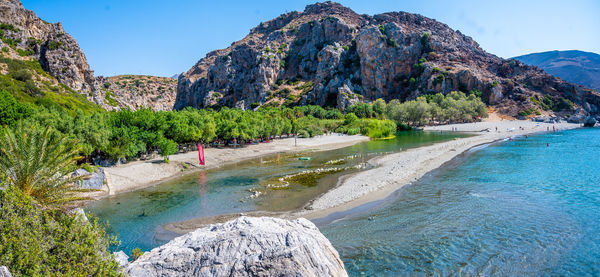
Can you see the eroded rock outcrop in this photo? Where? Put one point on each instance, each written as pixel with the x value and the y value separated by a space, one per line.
pixel 329 55
pixel 247 246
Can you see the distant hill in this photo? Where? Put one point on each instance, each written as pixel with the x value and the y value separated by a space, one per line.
pixel 139 91
pixel 573 66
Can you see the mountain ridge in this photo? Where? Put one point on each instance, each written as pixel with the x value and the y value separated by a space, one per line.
pixel 332 56
pixel 574 66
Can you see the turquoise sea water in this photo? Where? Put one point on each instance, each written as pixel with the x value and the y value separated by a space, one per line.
pixel 510 209
pixel 137 217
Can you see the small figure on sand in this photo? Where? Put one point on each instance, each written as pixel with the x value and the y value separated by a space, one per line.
pixel 547 144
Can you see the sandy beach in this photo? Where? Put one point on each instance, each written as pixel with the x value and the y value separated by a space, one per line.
pixel 141 174
pixel 393 171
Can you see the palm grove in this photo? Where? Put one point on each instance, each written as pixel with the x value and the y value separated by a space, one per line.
pixel 48 131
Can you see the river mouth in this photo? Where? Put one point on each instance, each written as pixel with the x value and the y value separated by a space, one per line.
pixel 138 218
pixel 527 207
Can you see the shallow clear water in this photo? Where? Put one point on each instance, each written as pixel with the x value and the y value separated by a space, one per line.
pixel 510 209
pixel 136 217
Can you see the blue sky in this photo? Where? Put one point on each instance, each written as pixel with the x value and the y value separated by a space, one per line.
pixel 167 37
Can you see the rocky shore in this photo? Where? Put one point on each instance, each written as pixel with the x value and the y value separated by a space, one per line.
pixel 247 246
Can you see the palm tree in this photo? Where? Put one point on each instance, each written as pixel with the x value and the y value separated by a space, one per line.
pixel 39 163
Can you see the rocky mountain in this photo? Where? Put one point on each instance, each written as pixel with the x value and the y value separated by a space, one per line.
pixel 25 37
pixel 329 55
pixel 572 66
pixel 139 91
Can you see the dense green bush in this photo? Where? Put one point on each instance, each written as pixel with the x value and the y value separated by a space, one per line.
pixel 373 128
pixel 454 107
pixel 550 103
pixel 37 242
pixel 12 110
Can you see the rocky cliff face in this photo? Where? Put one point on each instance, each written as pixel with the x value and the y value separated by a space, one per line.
pixel 247 246
pixel 27 36
pixel 24 36
pixel 329 55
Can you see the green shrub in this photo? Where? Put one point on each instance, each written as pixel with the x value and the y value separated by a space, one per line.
pixel 350 118
pixel 87 167
pixel 109 98
pixel 439 79
pixel 136 253
pixel 293 82
pixel 11 42
pixel 53 45
pixel 12 110
pixel 167 148
pixel 36 242
pixel 9 27
pixel 22 75
pixel 419 66
pixel 425 37
pixel 528 112
pixel 393 43
pixel 25 53
pixel 565 104
pixel 334 114
pixel 303 133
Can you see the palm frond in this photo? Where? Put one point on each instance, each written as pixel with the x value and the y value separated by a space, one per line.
pixel 39 163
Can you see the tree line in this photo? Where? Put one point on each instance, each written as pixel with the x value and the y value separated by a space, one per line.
pixel 455 107
pixel 128 134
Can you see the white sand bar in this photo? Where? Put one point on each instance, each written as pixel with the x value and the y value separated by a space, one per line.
pixel 393 171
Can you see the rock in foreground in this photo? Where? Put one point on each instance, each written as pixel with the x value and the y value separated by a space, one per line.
pixel 247 246
pixel 4 272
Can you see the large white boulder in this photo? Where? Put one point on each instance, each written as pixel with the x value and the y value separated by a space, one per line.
pixel 246 246
pixel 4 272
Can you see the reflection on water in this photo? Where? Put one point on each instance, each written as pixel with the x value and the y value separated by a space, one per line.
pixel 511 209
pixel 137 216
